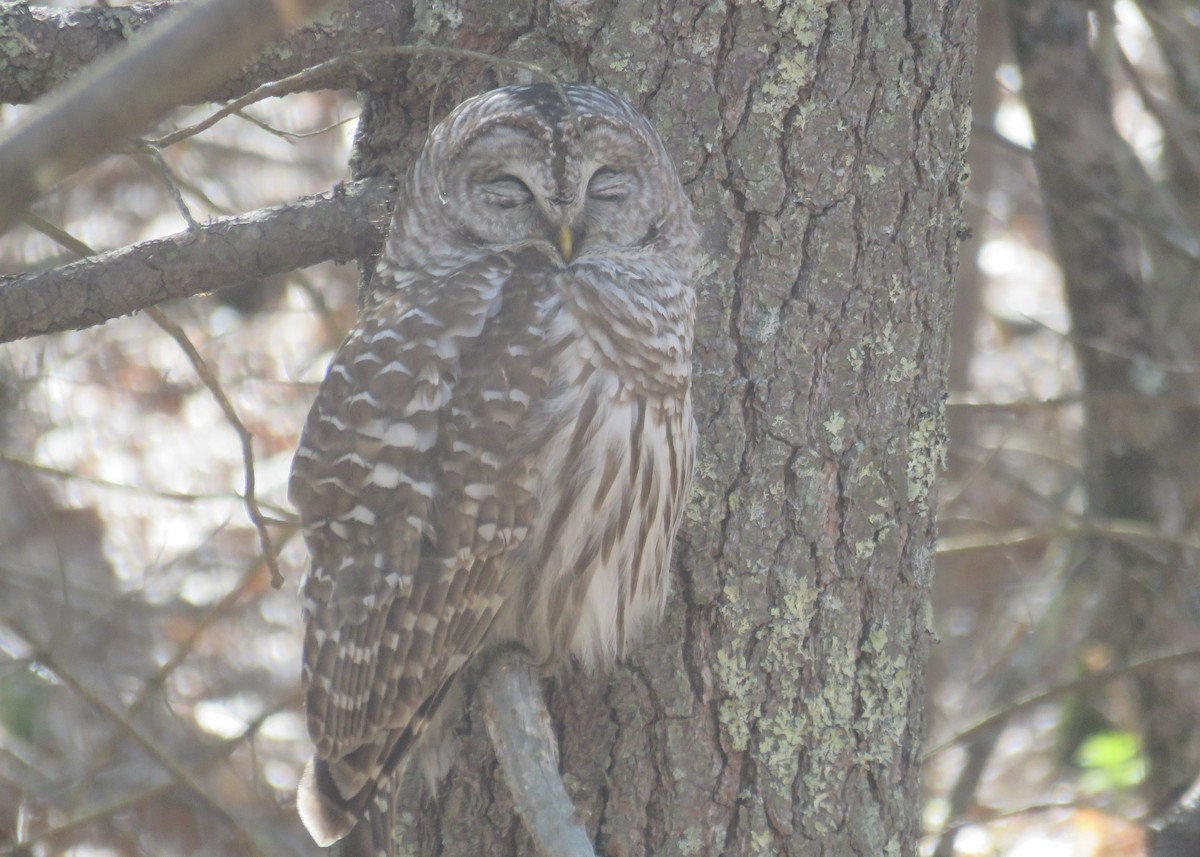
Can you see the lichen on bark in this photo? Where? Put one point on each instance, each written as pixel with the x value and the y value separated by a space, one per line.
pixel 778 710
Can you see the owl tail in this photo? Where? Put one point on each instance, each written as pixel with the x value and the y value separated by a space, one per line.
pixel 327 815
pixel 363 823
pixel 374 834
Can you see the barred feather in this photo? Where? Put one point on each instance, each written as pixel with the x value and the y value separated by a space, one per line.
pixel 502 446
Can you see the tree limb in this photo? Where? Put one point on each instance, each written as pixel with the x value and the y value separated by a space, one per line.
pixel 124 92
pixel 47 46
pixel 339 225
pixel 519 726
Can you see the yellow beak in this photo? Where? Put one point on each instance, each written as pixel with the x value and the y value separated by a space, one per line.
pixel 566 242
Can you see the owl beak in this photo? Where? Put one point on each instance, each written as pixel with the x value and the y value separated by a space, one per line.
pixel 566 242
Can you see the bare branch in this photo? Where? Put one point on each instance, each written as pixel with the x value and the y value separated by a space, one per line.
pixel 340 225
pixel 318 77
pixel 181 775
pixel 48 46
pixel 247 440
pixel 980 818
pixel 126 801
pixel 1115 529
pixel 519 726
pixel 124 92
pixel 45 45
pixel 209 379
pixel 282 516
pixel 1090 680
pixel 172 185
pixel 1135 401
pixel 182 652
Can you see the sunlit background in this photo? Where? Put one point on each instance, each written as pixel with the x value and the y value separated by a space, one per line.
pixel 128 559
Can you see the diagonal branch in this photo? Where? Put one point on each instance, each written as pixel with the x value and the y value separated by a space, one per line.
pixel 244 437
pixel 179 58
pixel 47 45
pixel 180 774
pixel 209 379
pixel 340 225
pixel 182 652
pixel 1095 679
pixel 144 795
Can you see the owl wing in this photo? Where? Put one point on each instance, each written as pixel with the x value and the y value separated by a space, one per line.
pixel 409 494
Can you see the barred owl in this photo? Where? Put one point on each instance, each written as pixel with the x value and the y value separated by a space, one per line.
pixel 500 450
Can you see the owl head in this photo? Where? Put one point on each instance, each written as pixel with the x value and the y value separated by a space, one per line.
pixel 575 169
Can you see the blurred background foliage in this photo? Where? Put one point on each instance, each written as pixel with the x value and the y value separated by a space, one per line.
pixel 148 670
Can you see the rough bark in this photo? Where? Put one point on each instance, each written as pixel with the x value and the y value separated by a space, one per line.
pixel 778 711
pixel 1080 158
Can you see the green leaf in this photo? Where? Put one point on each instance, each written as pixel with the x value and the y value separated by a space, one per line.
pixel 1111 760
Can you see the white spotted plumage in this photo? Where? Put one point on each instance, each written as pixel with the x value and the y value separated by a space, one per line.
pixel 502 446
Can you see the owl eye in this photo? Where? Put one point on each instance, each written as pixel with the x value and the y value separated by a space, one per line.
pixel 506 192
pixel 609 185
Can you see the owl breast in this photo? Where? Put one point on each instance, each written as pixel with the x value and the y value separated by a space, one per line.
pixel 615 447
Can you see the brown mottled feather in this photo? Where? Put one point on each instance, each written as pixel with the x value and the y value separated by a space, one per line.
pixel 502 445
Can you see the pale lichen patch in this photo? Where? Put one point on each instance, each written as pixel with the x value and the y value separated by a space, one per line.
pixel 926 450
pixel 737 710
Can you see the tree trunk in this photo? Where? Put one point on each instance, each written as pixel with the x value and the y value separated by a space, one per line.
pixel 1136 593
pixel 779 708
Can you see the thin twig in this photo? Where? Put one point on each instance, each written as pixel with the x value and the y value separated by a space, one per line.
pixel 304 135
pixel 995 540
pixel 203 624
pixel 263 126
pixel 993 817
pixel 291 136
pixel 168 177
pixel 1115 529
pixel 182 776
pixel 333 330
pixel 1084 682
pixel 210 381
pixel 282 516
pixel 247 440
pixel 122 93
pixel 185 648
pixel 1178 240
pixel 1107 400
pixel 303 80
pixel 980 468
pixel 126 802
pixel 54 233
